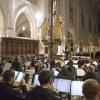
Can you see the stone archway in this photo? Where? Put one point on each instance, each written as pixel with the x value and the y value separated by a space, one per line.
pixel 69 41
pixel 23 26
pixel 25 10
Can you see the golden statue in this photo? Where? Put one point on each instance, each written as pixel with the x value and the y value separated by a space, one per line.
pixel 58 27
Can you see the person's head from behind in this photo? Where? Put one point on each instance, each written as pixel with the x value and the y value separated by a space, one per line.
pixel 99 68
pixel 45 78
pixel 91 89
pixel 70 63
pixel 9 76
pixel 99 61
pixel 58 65
pixel 92 68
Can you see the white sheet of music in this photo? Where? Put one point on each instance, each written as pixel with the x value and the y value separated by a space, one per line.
pixel 80 72
pixel 36 81
pixel 16 73
pixel 66 61
pixel 55 83
pixel 75 65
pixel 62 85
pixel 76 88
pixel 56 73
pixel 20 77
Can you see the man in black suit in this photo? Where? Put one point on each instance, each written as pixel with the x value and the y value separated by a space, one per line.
pixel 43 91
pixel 97 74
pixel 7 90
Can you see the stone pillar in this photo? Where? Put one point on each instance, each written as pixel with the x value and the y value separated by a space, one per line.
pixel 63 10
pixel 41 48
pixel 10 20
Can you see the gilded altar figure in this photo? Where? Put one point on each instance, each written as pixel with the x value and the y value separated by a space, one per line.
pixel 58 27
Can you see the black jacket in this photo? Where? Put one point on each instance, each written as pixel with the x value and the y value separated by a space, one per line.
pixel 40 93
pixel 97 75
pixel 89 75
pixel 67 73
pixel 7 92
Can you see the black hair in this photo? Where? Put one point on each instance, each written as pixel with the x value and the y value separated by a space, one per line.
pixel 8 75
pixel 44 77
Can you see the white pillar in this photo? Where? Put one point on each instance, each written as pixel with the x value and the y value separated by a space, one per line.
pixel 10 20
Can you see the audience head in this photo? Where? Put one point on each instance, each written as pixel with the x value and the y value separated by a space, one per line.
pixel 99 61
pixel 58 65
pixel 91 89
pixel 99 68
pixel 9 76
pixel 70 63
pixel 45 77
pixel 89 68
pixel 92 68
pixel 98 65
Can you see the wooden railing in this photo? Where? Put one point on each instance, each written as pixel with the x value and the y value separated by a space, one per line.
pixel 17 46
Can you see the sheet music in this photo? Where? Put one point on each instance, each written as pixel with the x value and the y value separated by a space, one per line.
pixel 55 83
pixel 16 74
pixel 56 73
pixel 75 65
pixel 36 81
pixel 62 85
pixel 76 88
pixel 20 77
pixel 80 72
pixel 66 61
pixel 95 63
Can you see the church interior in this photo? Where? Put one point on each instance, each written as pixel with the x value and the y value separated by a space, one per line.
pixel 59 36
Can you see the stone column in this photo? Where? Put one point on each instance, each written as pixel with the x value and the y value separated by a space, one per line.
pixel 61 11
pixel 10 22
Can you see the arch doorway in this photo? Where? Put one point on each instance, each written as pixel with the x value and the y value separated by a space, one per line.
pixel 23 28
pixel 69 41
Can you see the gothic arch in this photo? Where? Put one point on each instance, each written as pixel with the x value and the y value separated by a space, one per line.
pixel 23 26
pixel 27 12
pixel 69 40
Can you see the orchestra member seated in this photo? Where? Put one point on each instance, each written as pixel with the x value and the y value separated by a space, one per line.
pixel 42 92
pixel 8 91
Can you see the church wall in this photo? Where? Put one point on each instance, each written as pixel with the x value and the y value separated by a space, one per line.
pixel 10 9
